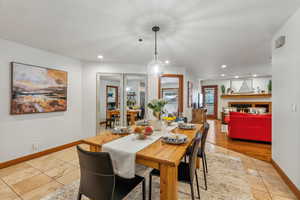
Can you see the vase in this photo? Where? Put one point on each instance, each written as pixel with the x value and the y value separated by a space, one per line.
pixel 157 125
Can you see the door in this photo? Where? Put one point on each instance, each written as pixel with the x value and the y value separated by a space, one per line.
pixel 210 100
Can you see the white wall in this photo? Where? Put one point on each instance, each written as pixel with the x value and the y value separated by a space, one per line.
pixel 286 84
pixel 18 133
pixel 257 82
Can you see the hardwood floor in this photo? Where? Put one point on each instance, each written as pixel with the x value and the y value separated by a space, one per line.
pixel 256 150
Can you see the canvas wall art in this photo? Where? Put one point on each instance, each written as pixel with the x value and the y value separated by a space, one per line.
pixel 37 89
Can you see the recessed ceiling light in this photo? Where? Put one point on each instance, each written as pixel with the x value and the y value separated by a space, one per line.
pixel 236 77
pixel 254 75
pixel 100 57
pixel 223 75
pixel 224 66
pixel 167 61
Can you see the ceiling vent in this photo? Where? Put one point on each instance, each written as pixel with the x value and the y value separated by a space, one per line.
pixel 280 42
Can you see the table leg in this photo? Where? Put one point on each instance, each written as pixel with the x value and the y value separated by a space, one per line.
pixel 95 148
pixel 198 163
pixel 132 119
pixel 168 182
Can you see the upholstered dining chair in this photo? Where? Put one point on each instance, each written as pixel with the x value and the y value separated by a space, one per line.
pixel 186 171
pixel 98 180
pixel 201 152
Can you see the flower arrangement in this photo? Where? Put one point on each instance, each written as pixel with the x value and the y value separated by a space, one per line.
pixel 169 119
pixel 157 106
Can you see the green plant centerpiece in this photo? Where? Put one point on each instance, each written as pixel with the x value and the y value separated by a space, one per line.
pixel 157 106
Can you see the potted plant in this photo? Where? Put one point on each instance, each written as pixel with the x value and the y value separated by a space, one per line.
pixel 157 107
pixel 223 89
pixel 270 86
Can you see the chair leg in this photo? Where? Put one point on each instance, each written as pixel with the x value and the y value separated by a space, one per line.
pixel 205 162
pixel 79 196
pixel 192 191
pixel 198 190
pixel 150 186
pixel 144 189
pixel 204 173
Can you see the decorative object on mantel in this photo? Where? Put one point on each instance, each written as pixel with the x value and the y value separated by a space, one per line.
pixel 157 107
pixel 245 88
pixel 270 86
pixel 229 91
pixel 223 89
pixel 36 89
pixel 228 96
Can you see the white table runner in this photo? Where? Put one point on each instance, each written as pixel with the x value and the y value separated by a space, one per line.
pixel 123 151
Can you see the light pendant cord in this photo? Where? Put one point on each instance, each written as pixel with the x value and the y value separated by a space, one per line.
pixel 155 53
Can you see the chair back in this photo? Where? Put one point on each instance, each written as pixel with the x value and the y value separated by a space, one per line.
pixel 204 137
pixel 193 157
pixel 97 175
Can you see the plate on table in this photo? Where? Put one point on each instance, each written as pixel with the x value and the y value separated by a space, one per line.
pixel 176 138
pixel 142 123
pixel 186 126
pixel 121 130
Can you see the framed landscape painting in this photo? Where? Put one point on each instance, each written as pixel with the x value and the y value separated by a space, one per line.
pixel 37 89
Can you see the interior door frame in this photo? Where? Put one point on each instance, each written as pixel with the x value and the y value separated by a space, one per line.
pixel 180 89
pixel 215 116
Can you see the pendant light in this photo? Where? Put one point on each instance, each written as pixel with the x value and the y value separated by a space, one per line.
pixel 155 67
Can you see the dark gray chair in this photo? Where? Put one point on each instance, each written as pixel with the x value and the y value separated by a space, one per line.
pixel 98 180
pixel 201 152
pixel 186 171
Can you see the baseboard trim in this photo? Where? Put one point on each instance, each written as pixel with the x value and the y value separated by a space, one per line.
pixel 39 154
pixel 286 179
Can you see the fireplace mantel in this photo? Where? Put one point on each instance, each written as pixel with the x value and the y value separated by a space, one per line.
pixel 240 96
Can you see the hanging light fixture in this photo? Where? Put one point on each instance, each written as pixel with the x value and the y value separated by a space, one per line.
pixel 155 67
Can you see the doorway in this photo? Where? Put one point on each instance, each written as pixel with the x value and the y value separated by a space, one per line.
pixel 170 88
pixel 210 100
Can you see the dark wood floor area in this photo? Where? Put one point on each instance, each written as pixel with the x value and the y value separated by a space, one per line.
pixel 256 150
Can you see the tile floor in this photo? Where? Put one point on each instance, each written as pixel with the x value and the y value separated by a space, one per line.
pixel 36 178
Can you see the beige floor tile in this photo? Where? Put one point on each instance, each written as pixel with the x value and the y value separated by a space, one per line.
pixel 74 163
pixel 43 191
pixel 256 183
pixel 67 155
pixel 260 195
pixel 30 184
pixel 10 170
pixel 261 164
pixel 277 187
pixel 20 175
pixel 6 193
pixel 283 198
pixel 45 163
pixel 60 171
pixel 69 177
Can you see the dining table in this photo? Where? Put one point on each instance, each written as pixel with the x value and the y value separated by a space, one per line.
pixel 131 112
pixel 158 155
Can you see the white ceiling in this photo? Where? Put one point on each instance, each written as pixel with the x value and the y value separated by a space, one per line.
pixel 198 34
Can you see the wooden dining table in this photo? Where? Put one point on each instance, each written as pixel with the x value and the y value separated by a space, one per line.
pixel 131 112
pixel 158 155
